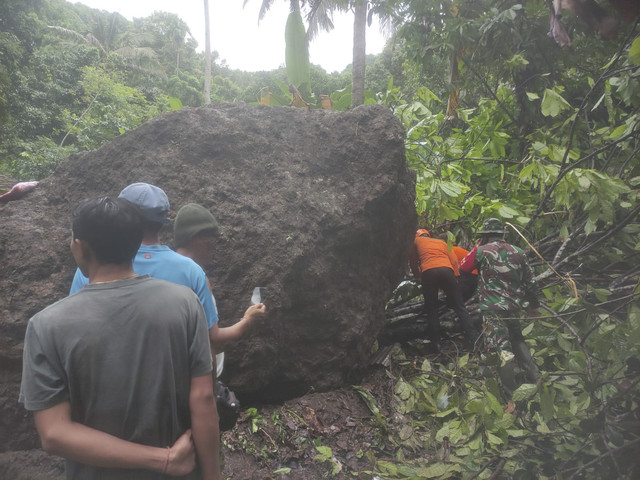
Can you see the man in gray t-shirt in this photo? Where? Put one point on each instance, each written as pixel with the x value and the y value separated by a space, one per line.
pixel 121 370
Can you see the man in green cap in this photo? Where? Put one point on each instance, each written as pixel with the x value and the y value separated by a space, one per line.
pixel 194 231
pixel 507 287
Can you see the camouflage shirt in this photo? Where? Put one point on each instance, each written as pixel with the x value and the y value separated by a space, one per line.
pixel 506 279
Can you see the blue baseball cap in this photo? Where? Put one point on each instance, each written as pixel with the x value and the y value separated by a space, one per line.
pixel 152 200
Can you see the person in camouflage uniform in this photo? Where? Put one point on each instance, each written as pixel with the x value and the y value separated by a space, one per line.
pixel 506 283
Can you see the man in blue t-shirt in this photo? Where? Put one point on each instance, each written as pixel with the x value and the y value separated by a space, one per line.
pixel 156 260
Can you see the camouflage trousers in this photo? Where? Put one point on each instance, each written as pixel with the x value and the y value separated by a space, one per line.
pixel 503 336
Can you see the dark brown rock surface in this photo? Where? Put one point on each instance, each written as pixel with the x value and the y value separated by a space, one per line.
pixel 316 206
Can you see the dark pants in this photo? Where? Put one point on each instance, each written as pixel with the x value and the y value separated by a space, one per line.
pixel 468 284
pixel 443 278
pixel 510 339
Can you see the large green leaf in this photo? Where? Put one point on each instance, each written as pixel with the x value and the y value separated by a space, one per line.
pixel 297 54
pixel 553 103
pixel 634 51
pixel 524 392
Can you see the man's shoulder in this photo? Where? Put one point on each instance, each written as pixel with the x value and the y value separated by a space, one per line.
pixel 167 287
pixel 431 243
pixel 498 247
pixel 54 311
pixel 142 285
pixel 502 255
pixel 487 248
pixel 60 313
pixel 511 252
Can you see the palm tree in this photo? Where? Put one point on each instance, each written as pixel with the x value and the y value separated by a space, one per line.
pixel 207 55
pixel 294 6
pixel 359 52
pixel 169 31
pixel 109 35
pixel 363 10
pixel 319 17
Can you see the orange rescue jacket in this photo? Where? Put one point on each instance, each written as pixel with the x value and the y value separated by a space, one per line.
pixel 428 253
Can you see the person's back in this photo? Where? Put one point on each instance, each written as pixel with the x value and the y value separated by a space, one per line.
pixel 434 253
pixel 122 369
pixel 506 278
pixel 125 350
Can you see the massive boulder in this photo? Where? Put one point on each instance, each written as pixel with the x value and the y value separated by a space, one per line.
pixel 315 206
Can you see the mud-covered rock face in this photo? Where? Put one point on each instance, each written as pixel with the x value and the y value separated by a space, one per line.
pixel 316 206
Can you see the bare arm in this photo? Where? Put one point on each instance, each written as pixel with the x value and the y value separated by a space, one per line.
pixel 220 336
pixel 204 424
pixel 63 437
pixel 468 263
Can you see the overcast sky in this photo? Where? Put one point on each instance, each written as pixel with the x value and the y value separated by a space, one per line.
pixel 241 41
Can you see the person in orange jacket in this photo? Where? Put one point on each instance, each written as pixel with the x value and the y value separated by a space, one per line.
pixel 436 267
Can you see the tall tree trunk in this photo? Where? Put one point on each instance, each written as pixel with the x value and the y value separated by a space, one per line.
pixel 359 52
pixel 207 55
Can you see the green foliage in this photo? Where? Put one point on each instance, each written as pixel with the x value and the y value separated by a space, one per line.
pixel 325 454
pixel 553 151
pixel 255 419
pixel 634 52
pixel 566 425
pixel 48 92
pixel 553 103
pixel 371 403
pixel 37 159
pixel 169 37
pixel 111 109
pixel 465 168
pixel 186 87
pixel 224 90
pixel 282 471
pixel 323 83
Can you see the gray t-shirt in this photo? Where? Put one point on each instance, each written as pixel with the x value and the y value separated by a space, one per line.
pixel 123 353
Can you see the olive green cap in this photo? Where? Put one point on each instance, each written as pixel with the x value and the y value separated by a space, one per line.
pixel 190 221
pixel 492 225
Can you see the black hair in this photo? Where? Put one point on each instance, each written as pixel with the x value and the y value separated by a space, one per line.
pixel 112 227
pixel 151 227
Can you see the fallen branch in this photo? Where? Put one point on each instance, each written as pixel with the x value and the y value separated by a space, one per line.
pixel 605 235
pixel 600 458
